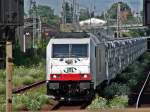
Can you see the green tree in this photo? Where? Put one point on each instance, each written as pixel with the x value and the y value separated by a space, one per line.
pixel 84 14
pixel 112 12
pixel 47 14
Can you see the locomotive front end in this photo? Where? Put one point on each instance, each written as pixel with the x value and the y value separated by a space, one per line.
pixel 68 69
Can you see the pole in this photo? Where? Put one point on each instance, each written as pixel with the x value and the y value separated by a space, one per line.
pixel 24 43
pixel 9 72
pixel 40 29
pixel 34 29
pixel 118 20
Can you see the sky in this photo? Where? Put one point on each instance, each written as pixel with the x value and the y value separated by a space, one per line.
pixel 101 5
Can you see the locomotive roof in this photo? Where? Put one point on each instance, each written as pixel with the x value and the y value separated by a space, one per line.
pixel 72 35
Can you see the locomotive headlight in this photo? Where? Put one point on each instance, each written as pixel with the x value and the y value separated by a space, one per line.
pixel 85 76
pixel 54 76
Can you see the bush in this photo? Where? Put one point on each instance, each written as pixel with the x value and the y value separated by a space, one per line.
pixel 99 102
pixel 32 102
pixel 116 89
pixel 119 102
pixel 132 83
pixel 43 99
pixel 34 105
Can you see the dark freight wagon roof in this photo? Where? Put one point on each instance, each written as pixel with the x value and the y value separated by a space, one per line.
pixel 72 35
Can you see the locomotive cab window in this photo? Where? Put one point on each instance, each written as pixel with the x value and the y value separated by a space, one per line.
pixel 69 50
pixel 60 50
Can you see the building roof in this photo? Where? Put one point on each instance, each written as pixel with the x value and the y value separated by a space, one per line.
pixel 93 22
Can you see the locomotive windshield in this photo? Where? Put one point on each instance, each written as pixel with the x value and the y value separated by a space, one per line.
pixel 70 50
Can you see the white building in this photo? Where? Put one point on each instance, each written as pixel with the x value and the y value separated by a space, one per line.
pixel 93 22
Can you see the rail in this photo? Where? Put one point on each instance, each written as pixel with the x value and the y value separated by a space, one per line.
pixel 139 96
pixel 22 89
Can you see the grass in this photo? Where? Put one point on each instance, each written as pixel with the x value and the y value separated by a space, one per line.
pixel 31 101
pixel 2 88
pixel 119 102
pixel 23 76
pixel 2 103
pixel 98 102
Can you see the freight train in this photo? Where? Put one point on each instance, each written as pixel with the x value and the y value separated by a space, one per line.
pixel 78 62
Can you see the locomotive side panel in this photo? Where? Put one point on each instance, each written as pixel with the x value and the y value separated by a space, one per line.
pixel 100 64
pixel 92 61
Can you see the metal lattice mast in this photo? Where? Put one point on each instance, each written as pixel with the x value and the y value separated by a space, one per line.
pixel 33 15
pixel 118 20
pixel 75 14
pixel 74 17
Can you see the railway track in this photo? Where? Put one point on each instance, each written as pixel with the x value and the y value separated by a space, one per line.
pixel 140 97
pixel 27 87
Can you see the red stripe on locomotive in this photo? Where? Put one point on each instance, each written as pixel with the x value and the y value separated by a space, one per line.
pixel 70 77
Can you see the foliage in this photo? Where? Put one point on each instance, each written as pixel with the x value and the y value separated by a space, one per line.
pixel 97 103
pixel 84 14
pixel 46 14
pixel 119 102
pixel 29 59
pixel 132 83
pixel 132 75
pixel 32 101
pixel 136 33
pixel 112 12
pixel 116 89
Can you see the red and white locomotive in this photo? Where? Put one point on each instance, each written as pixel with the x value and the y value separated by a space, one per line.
pixel 77 63
pixel 68 66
